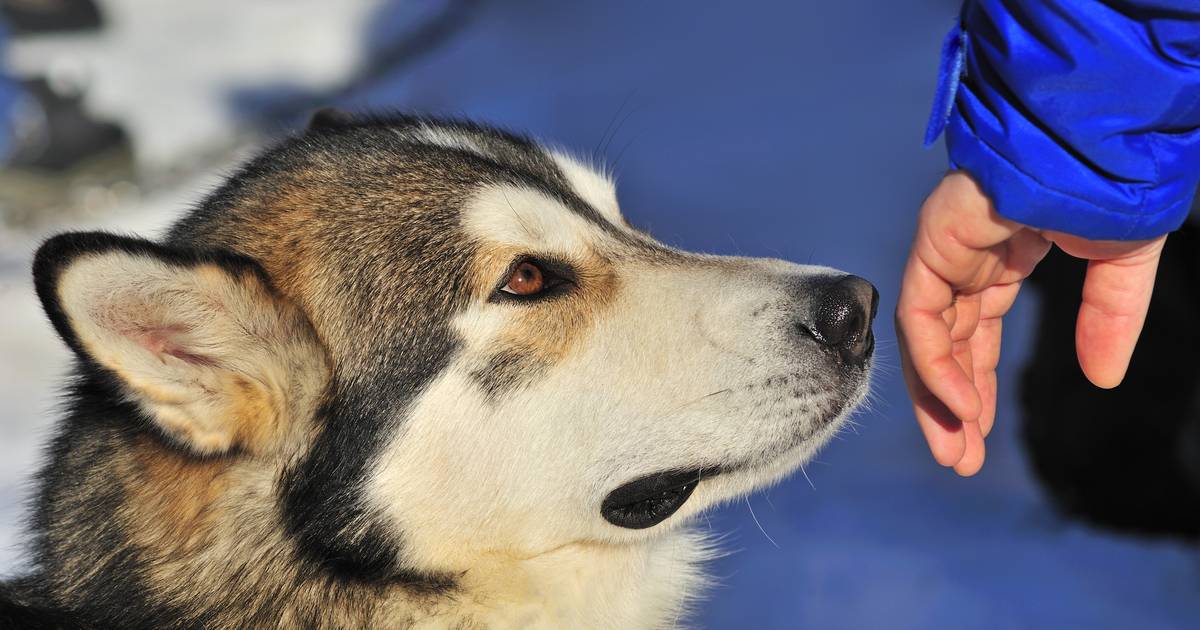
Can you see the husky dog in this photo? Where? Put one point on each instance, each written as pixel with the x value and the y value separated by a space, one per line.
pixel 408 373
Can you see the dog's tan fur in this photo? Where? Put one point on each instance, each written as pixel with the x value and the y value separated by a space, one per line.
pixel 312 407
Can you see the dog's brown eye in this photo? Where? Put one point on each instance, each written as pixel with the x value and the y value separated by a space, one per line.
pixel 533 280
pixel 526 279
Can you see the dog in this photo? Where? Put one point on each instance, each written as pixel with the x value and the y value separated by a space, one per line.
pixel 401 372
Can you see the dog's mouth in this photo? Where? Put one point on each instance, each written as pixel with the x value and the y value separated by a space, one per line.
pixel 650 500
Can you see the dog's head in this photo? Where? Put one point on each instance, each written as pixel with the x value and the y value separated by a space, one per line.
pixel 447 341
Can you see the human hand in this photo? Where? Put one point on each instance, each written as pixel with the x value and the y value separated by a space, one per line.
pixel 963 274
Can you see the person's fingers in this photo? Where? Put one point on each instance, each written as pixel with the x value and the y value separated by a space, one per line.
pixel 1080 247
pixel 950 317
pixel 960 210
pixel 1116 295
pixel 985 348
pixel 1022 253
pixel 973 451
pixel 995 301
pixel 985 384
pixel 967 315
pixel 961 351
pixel 985 354
pixel 927 343
pixel 966 309
pixel 932 355
pixel 942 431
pixel 962 245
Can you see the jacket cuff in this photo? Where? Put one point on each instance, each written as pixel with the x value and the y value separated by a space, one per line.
pixel 1020 197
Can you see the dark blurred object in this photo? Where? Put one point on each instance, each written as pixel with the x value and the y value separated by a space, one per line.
pixel 58 158
pixel 56 133
pixel 1127 458
pixel 61 158
pixel 25 17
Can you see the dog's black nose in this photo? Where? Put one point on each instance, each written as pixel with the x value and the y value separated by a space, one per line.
pixel 841 318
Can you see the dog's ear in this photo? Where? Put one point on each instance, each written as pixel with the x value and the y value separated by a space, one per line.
pixel 329 118
pixel 200 341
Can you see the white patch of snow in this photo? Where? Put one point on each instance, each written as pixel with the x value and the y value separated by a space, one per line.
pixel 164 70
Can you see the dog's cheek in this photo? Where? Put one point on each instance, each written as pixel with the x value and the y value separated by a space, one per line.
pixel 509 370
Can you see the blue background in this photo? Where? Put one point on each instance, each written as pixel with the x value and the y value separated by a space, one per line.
pixel 793 129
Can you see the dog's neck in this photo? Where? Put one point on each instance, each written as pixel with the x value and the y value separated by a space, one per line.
pixel 193 524
pixel 583 585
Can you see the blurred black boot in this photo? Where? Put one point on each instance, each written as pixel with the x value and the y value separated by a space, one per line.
pixel 1127 458
pixel 54 133
pixel 27 17
pixel 62 161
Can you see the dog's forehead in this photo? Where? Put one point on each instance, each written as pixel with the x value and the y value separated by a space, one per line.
pixel 592 185
pixel 527 220
pixel 396 174
pixel 559 208
pixel 529 197
pixel 362 217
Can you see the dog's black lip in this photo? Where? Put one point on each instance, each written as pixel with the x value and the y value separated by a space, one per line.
pixel 652 499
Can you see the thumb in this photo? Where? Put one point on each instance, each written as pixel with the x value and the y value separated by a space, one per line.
pixel 1116 295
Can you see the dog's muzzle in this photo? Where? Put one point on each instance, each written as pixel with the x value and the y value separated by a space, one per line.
pixel 838 320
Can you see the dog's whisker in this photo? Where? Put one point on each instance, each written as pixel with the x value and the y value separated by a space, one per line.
pixel 601 146
pixel 579 378
pixel 699 399
pixel 520 219
pixel 621 153
pixel 807 478
pixel 632 110
pixel 760 527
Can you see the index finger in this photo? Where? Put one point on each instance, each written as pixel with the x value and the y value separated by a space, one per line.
pixel 927 341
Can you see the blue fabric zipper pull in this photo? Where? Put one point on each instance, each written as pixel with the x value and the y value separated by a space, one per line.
pixel 950 71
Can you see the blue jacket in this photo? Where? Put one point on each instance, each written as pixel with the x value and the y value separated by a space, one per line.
pixel 1081 116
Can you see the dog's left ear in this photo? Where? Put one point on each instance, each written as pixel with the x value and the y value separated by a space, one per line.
pixel 199 341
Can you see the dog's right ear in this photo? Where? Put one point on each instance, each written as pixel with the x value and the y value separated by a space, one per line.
pixel 329 118
pixel 200 341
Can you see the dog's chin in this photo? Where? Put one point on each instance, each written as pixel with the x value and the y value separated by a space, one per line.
pixel 651 499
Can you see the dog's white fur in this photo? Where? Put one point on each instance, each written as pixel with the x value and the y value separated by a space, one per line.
pixel 670 377
pixel 684 366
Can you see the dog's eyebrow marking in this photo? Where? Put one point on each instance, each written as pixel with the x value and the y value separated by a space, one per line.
pixel 516 213
pixel 573 202
pixel 541 171
pixel 514 159
pixel 592 186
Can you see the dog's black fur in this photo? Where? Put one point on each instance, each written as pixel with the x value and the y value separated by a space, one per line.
pixel 347 246
pixel 354 161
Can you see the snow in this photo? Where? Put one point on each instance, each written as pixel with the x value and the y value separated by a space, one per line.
pixel 754 128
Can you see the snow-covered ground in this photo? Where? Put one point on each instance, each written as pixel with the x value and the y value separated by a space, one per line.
pixel 774 129
pixel 171 72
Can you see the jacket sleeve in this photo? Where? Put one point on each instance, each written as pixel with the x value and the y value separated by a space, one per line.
pixel 1081 116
